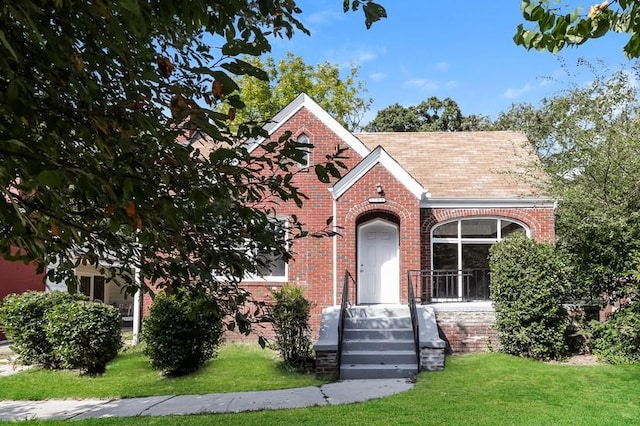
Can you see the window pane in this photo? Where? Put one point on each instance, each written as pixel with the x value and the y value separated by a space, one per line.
pixel 448 230
pixel 445 256
pixel 85 286
pixel 475 256
pixel 98 288
pixel 475 265
pixel 509 229
pixel 445 275
pixel 480 228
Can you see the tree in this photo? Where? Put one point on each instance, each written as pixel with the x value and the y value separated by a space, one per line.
pixel 94 96
pixel 432 115
pixel 342 97
pixel 556 28
pixel 588 140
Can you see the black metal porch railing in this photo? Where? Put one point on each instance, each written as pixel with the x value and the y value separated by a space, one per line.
pixel 344 304
pixel 414 317
pixel 451 285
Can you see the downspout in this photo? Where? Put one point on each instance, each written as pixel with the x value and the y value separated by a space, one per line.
pixel 137 300
pixel 335 250
pixel 137 304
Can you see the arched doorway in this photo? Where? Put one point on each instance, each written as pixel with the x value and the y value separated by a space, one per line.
pixel 378 262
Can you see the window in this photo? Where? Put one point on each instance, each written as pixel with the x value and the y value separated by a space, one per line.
pixel 93 287
pixel 306 159
pixel 276 267
pixel 460 256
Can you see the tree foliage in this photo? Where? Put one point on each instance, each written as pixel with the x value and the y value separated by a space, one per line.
pixel 94 96
pixel 588 139
pixel 555 27
pixel 431 115
pixel 527 289
pixel 341 96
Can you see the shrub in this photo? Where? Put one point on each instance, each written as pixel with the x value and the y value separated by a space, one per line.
pixel 617 340
pixel 290 319
pixel 23 318
pixel 182 332
pixel 527 292
pixel 84 335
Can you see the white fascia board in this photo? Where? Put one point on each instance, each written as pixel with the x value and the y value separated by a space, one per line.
pixel 378 155
pixel 469 203
pixel 304 101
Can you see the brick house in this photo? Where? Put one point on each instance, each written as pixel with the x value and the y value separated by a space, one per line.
pixel 422 205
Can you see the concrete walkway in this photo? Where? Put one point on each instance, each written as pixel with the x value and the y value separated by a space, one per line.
pixel 344 392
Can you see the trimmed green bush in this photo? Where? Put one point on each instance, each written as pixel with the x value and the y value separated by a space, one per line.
pixel 84 335
pixel 527 293
pixel 182 332
pixel 290 318
pixel 23 318
pixel 617 340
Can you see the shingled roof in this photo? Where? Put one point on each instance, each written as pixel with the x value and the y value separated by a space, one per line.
pixel 500 164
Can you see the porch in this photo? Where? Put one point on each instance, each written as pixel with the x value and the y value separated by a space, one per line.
pixel 399 340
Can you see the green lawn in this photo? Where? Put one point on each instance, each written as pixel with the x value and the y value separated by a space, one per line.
pixel 480 389
pixel 238 367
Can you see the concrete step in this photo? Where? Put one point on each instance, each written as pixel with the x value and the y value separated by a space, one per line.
pixel 378 311
pixel 379 357
pixel 375 323
pixel 390 334
pixel 373 371
pixel 378 345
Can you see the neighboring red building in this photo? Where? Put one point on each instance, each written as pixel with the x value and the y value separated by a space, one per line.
pixel 17 277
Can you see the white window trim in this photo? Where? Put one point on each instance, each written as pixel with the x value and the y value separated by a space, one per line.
pixel 274 278
pixel 459 240
pixel 303 138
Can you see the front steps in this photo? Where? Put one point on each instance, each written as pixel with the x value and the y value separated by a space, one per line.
pixel 378 343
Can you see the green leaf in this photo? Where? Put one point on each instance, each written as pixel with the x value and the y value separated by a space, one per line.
pixel 7 45
pixel 50 178
pixel 321 173
pixel 240 67
pixel 373 12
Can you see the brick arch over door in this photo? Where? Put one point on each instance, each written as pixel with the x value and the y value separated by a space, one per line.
pixel 357 211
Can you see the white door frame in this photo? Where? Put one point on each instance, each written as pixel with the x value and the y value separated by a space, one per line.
pixel 385 277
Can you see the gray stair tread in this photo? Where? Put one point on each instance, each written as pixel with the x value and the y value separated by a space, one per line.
pixel 382 352
pixel 379 366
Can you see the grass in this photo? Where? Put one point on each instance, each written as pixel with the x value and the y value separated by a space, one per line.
pixel 479 389
pixel 238 367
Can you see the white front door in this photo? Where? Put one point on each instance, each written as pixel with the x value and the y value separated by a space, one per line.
pixel 378 262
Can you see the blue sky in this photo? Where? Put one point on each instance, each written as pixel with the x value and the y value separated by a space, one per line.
pixel 462 49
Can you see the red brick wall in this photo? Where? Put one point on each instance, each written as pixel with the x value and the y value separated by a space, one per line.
pixel 354 204
pixel 17 277
pixel 312 267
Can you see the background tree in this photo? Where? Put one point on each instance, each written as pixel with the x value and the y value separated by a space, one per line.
pixel 89 164
pixel 431 115
pixel 556 28
pixel 341 96
pixel 588 139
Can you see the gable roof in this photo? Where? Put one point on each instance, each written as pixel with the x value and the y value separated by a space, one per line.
pixel 304 101
pixel 378 156
pixel 472 165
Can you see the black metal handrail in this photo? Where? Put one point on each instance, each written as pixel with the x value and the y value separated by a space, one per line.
pixel 344 304
pixel 413 311
pixel 455 285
